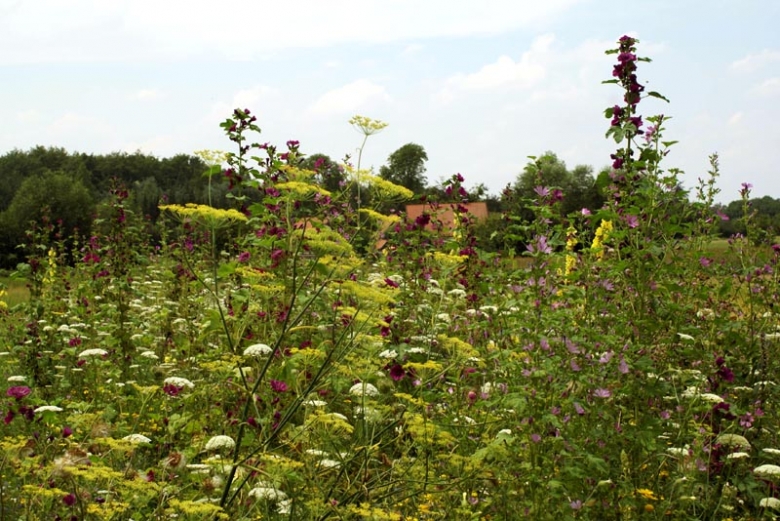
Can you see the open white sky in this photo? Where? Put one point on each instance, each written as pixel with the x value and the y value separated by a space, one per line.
pixel 481 85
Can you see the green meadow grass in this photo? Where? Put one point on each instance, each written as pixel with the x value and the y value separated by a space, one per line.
pixel 16 291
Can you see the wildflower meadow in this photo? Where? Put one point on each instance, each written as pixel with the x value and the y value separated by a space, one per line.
pixel 309 354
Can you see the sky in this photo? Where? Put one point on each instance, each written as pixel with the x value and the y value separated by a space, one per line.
pixel 481 85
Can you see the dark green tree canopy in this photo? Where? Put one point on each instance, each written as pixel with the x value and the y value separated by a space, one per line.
pixel 578 185
pixel 329 174
pixel 406 167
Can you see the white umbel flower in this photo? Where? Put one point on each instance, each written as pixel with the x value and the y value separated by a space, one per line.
pixel 733 440
pixel 767 470
pixel 137 438
pixel 48 408
pixel 17 378
pixel 220 442
pixel 363 389
pixel 269 493
pixel 178 382
pixel 770 502
pixel 93 352
pixel 258 350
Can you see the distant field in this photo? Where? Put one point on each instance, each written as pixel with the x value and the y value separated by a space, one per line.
pixel 16 291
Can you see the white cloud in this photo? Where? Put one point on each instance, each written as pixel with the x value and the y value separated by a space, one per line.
pixel 28 116
pixel 258 99
pixel 505 72
pixel 147 95
pixel 768 87
pixel 736 118
pixel 754 62
pixel 411 49
pixel 350 98
pixel 92 30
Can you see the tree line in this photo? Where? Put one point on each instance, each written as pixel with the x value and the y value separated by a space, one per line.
pixel 66 188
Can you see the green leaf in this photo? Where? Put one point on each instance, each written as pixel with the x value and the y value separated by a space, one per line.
pixel 225 270
pixel 610 81
pixel 655 94
pixel 667 144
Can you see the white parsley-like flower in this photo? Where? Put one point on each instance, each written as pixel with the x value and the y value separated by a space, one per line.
pixel 456 293
pixel 767 470
pixel 17 378
pixel 388 354
pixel 363 389
pixel 258 350
pixel 93 352
pixel 178 382
pixel 738 455
pixel 733 440
pixel 150 354
pixel 770 502
pixel 711 397
pixel 771 451
pixel 137 438
pixel 48 408
pixel 678 451
pixel 314 403
pixel 220 442
pixel 265 492
pixel 329 463
pixel 684 336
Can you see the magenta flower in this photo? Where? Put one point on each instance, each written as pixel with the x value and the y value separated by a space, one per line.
pixel 632 221
pixel 18 392
pixel 278 386
pixel 579 409
pixel 69 500
pixel 602 393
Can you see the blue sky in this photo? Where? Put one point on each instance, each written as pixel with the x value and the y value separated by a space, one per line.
pixel 480 85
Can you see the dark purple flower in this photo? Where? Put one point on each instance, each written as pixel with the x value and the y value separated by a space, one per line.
pixel 172 390
pixel 66 431
pixel 69 500
pixel 18 392
pixel 397 372
pixel 244 257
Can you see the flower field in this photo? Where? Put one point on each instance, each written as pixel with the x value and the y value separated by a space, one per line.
pixel 268 361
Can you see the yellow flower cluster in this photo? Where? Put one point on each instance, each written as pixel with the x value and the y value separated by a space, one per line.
pixel 384 188
pixel 204 212
pixel 301 188
pixel 602 234
pixel 384 220
pixel 367 125
pixel 3 303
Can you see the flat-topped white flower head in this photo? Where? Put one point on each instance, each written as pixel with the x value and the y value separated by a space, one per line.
pixel 220 442
pixel 363 389
pixel 258 350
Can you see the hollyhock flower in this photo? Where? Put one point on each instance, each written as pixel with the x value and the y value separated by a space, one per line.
pixel 278 386
pixel 397 372
pixel 18 391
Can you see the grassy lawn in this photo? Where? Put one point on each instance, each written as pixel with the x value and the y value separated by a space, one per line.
pixel 16 291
